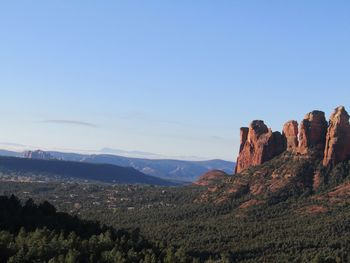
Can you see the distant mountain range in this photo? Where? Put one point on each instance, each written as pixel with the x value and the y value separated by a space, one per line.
pixel 10 153
pixel 174 170
pixel 70 170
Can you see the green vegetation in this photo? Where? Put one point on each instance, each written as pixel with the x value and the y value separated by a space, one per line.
pixel 165 224
pixel 37 233
pixel 51 170
pixel 280 232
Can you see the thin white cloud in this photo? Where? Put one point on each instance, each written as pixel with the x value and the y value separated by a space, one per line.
pixel 12 144
pixel 71 122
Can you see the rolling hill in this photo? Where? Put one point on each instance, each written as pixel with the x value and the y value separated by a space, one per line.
pixel 106 173
pixel 178 170
pixel 174 170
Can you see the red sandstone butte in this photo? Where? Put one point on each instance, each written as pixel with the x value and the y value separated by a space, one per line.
pixel 338 138
pixel 259 145
pixel 290 135
pixel 312 132
pixel 329 141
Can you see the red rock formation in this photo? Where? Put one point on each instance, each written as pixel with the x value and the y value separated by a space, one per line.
pixel 258 146
pixel 338 138
pixel 244 137
pixel 211 177
pixel 312 134
pixel 330 142
pixel 38 154
pixel 290 135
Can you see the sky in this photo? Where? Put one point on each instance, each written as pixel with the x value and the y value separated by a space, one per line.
pixel 174 78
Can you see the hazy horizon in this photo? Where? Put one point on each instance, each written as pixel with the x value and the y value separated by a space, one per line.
pixel 19 148
pixel 170 78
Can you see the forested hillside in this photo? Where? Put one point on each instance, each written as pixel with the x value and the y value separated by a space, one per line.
pixel 37 233
pixel 305 228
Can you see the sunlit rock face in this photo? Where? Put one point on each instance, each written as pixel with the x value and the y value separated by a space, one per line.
pixel 258 145
pixel 329 141
pixel 338 138
pixel 312 132
pixel 290 135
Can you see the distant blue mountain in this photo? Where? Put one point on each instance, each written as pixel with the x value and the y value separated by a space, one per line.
pixel 178 170
pixel 70 170
pixel 10 153
pixel 175 170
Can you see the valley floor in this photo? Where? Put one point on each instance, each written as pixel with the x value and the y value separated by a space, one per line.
pixel 301 229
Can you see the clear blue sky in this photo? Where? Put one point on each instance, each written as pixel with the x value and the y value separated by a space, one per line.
pixel 177 78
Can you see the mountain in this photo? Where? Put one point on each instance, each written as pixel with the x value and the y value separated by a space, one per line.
pixel 10 153
pixel 132 154
pixel 309 159
pixel 76 170
pixel 38 154
pixel 177 170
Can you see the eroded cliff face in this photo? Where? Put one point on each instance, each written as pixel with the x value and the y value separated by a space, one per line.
pixel 286 164
pixel 258 145
pixel 330 141
pixel 290 135
pixel 338 138
pixel 312 134
pixel 38 154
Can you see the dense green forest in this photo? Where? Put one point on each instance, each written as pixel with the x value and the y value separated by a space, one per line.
pixel 164 224
pixel 37 233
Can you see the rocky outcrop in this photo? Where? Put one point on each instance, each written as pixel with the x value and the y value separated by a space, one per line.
pixel 258 145
pixel 338 138
pixel 315 138
pixel 272 165
pixel 38 154
pixel 312 132
pixel 290 136
pixel 243 137
pixel 211 177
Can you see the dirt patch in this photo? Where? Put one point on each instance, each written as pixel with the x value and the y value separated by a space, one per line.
pixel 251 203
pixel 277 184
pixel 257 188
pixel 342 190
pixel 340 194
pixel 213 189
pixel 314 209
pixel 221 200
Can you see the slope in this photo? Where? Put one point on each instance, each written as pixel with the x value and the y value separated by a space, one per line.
pixel 77 170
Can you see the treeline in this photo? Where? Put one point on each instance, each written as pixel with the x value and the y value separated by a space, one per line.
pixel 38 233
pixel 281 231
